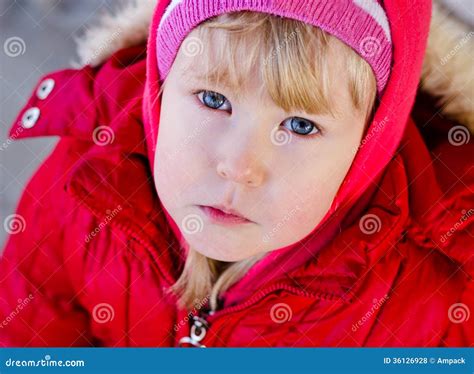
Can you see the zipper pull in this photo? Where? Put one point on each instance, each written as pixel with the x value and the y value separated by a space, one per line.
pixel 197 334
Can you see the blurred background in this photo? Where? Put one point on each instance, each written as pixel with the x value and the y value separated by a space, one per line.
pixel 47 28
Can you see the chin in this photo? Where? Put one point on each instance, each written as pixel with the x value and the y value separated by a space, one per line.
pixel 220 253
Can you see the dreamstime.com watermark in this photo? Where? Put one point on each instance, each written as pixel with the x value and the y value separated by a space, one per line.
pixel 19 307
pixel 276 51
pixel 198 304
pixel 465 217
pixel 281 313
pixel 103 313
pixel 104 46
pixel 11 139
pixel 14 47
pixel 109 217
pixel 375 306
pixel 373 130
pixel 44 362
pixel 459 313
pixel 14 224
pixel 192 224
pixel 457 48
pixel 370 224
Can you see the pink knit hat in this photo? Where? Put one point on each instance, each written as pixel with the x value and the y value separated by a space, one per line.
pixel 361 24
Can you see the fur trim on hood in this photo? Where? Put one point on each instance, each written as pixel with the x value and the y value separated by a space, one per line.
pixel 447 69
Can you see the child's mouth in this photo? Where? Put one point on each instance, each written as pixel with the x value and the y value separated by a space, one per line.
pixel 219 216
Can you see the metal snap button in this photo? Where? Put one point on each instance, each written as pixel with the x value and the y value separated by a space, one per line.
pixel 30 118
pixel 45 88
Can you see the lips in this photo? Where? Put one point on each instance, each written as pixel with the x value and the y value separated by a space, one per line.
pixel 223 215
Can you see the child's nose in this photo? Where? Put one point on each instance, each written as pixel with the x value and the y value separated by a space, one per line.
pixel 249 176
pixel 242 163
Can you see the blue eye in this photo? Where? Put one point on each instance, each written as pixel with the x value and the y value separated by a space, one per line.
pixel 301 126
pixel 214 100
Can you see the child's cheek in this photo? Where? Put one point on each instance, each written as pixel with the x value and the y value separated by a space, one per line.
pixel 298 219
pixel 301 206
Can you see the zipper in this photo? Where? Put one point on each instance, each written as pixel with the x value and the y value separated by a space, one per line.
pixel 213 315
pixel 197 333
pixel 203 321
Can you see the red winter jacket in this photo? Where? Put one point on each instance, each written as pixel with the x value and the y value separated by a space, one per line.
pixel 407 281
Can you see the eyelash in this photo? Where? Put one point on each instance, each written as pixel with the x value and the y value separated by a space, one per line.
pixel 201 104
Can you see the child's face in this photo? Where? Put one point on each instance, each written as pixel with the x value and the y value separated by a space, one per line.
pixel 245 152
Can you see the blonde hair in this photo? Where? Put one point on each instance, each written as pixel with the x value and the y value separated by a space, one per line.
pixel 293 60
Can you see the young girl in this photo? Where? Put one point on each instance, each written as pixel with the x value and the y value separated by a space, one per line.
pixel 263 184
